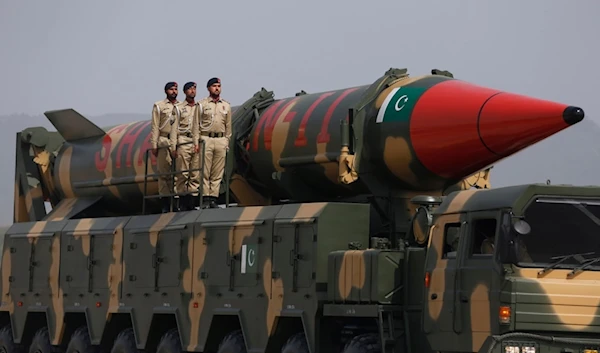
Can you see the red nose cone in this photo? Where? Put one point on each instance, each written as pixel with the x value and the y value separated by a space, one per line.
pixel 458 128
pixel 509 122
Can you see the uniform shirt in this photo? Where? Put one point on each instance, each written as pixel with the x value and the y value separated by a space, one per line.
pixel 162 120
pixel 215 116
pixel 186 122
pixel 487 246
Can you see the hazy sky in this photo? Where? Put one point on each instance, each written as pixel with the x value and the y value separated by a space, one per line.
pixel 114 56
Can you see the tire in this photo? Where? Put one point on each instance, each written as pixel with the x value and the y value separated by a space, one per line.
pixel 124 343
pixel 6 341
pixel 233 343
pixel 80 342
pixel 365 343
pixel 295 344
pixel 41 342
pixel 169 342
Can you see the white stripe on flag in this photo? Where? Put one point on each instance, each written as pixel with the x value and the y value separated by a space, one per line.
pixel 385 104
pixel 243 258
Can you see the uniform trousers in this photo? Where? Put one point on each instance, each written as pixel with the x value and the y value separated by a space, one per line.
pixel 215 150
pixel 187 159
pixel 163 161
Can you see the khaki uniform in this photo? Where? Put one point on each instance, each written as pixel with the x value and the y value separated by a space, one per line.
pixel 521 251
pixel 452 239
pixel 487 246
pixel 215 130
pixel 186 140
pixel 161 135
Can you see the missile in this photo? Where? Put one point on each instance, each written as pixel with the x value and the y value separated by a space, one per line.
pixel 399 134
pixel 414 134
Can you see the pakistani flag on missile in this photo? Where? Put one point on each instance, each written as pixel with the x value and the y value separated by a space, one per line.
pixel 399 104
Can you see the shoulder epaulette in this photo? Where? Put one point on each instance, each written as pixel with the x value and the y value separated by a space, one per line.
pixel 156 106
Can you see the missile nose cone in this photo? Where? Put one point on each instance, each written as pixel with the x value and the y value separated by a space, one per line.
pixel 509 122
pixel 573 115
pixel 458 128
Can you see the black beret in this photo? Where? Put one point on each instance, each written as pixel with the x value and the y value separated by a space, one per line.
pixel 170 84
pixel 212 81
pixel 188 85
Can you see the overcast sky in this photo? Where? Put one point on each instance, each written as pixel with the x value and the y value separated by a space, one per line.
pixel 114 56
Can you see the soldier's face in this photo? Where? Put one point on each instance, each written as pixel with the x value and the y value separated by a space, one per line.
pixel 191 92
pixel 214 89
pixel 172 92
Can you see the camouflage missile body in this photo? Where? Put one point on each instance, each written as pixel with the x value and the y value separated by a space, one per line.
pixel 104 169
pixel 423 133
pixel 405 134
pixel 297 267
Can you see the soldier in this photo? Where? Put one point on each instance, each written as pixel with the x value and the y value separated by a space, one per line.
pixel 521 250
pixel 452 239
pixel 160 138
pixel 186 140
pixel 487 245
pixel 215 130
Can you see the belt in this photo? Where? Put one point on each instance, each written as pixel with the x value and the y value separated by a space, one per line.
pixel 164 134
pixel 188 134
pixel 212 134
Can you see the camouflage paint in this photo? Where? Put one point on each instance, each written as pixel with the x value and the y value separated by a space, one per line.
pixel 112 166
pixel 150 267
pixel 309 277
pixel 289 149
pixel 298 138
pixel 479 285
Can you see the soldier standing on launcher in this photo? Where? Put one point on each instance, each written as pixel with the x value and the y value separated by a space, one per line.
pixel 160 136
pixel 215 130
pixel 186 140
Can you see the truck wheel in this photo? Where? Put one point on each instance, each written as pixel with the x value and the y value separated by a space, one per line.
pixel 124 343
pixel 233 343
pixel 169 343
pixel 296 344
pixel 80 342
pixel 7 345
pixel 41 342
pixel 365 343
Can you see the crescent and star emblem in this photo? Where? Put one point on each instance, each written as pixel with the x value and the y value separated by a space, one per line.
pixel 251 257
pixel 404 99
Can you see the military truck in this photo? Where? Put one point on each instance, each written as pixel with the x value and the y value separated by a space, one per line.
pixel 357 226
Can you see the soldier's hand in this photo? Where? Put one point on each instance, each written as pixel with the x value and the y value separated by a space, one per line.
pixel 155 151
pixel 196 149
pixel 174 153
